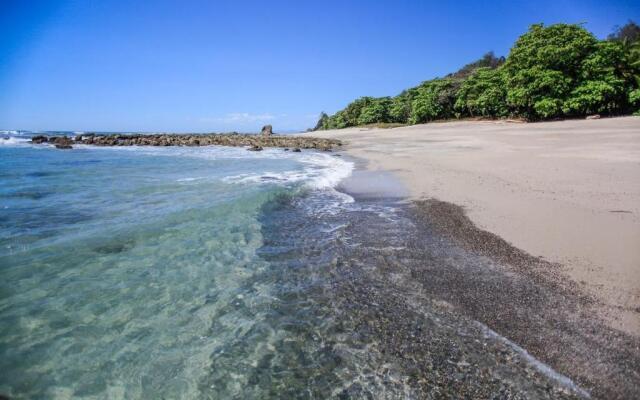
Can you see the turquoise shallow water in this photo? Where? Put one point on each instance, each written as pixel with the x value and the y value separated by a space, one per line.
pixel 218 273
pixel 124 269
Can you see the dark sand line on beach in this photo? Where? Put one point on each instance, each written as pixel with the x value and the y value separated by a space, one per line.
pixel 383 332
pixel 529 301
pixel 453 265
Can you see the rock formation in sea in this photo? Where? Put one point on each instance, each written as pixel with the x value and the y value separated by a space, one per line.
pixel 267 130
pixel 256 142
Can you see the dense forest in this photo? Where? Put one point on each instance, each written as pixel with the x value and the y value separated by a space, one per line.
pixel 554 71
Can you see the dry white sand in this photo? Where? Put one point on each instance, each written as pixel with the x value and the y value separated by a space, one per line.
pixel 567 191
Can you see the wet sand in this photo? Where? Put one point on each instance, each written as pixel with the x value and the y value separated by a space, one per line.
pixel 376 279
pixel 567 192
pixel 442 262
pixel 528 300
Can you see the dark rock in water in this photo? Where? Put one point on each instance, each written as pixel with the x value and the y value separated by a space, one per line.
pixel 296 150
pixel 267 130
pixel 61 142
pixel 39 139
pixel 113 247
pixel 255 148
pixel 29 194
pixel 286 149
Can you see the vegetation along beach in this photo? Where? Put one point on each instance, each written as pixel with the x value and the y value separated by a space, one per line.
pixel 177 222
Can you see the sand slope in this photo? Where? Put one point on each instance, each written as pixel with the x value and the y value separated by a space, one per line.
pixel 568 191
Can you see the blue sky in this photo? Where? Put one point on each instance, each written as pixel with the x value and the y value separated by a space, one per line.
pixel 202 66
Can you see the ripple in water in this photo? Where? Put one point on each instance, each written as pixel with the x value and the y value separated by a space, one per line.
pixel 219 273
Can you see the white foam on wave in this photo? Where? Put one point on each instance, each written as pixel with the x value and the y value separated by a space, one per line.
pixel 321 170
pixel 12 141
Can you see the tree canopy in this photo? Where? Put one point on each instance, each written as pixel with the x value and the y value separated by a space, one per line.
pixel 560 70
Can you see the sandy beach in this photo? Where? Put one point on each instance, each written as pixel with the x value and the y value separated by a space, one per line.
pixel 566 191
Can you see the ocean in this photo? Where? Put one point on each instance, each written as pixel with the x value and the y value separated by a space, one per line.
pixel 215 272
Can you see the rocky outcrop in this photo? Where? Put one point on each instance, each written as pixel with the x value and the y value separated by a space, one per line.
pixel 39 139
pixel 267 130
pixel 227 139
pixel 61 142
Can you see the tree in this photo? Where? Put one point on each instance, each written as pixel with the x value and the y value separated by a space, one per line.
pixel 375 111
pixel 400 107
pixel 631 71
pixel 483 94
pixel 352 111
pixel 552 71
pixel 323 122
pixel 630 32
pixel 433 100
pixel 542 68
pixel 489 60
pixel 600 86
pixel 336 121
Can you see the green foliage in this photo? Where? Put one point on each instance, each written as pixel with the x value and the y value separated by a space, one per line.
pixel 433 100
pixel 634 97
pixel 353 109
pixel 489 60
pixel 552 71
pixel 631 66
pixel 374 111
pixel 543 66
pixel 601 84
pixel 483 94
pixel 400 108
pixel 323 122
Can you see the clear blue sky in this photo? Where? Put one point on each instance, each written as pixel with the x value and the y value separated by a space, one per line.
pixel 232 65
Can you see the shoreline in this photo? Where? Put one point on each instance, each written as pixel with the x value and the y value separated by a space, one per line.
pixel 534 301
pixel 388 298
pixel 566 191
pixel 450 267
